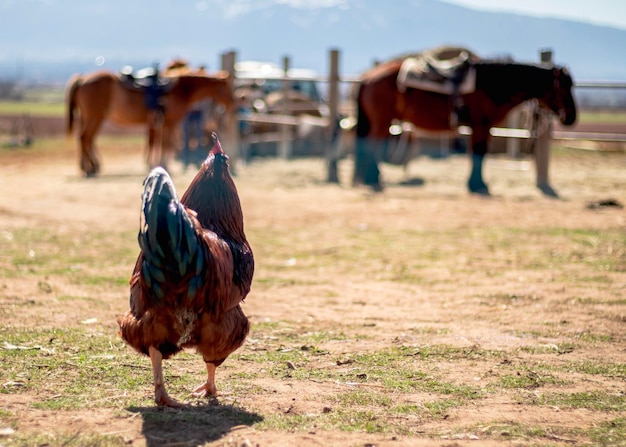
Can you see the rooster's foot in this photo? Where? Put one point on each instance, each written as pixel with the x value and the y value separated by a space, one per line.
pixel 160 395
pixel 162 399
pixel 205 390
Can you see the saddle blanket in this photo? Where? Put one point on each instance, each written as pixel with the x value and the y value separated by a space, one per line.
pixel 447 71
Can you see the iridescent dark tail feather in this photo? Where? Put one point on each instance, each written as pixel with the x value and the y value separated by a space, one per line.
pixel 167 237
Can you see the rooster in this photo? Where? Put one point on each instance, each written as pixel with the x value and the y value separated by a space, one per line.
pixel 194 269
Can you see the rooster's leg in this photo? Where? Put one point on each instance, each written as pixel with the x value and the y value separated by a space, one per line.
pixel 208 388
pixel 160 395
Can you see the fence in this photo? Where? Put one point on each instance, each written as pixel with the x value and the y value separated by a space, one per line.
pixel 512 132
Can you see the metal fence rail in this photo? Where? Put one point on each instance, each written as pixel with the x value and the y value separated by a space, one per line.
pixel 334 79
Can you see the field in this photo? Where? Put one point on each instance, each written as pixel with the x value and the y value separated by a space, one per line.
pixel 420 316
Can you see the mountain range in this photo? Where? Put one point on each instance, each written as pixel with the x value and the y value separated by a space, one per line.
pixel 48 40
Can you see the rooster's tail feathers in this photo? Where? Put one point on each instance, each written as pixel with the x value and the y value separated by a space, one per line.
pixel 167 234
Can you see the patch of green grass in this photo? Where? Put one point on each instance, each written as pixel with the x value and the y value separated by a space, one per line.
pixel 297 337
pixel 427 330
pixel 377 382
pixel 527 380
pixel 609 433
pixel 70 368
pixel 595 301
pixel 602 117
pixel 509 431
pixel 366 421
pixel 346 419
pixel 451 352
pixel 508 298
pixel 379 379
pixel 552 331
pixel 364 398
pixel 594 367
pixel 387 255
pixel 589 337
pixel 96 259
pixel 69 440
pixel 33 108
pixel 593 400
pixel 440 407
pixel 561 348
pixel 277 281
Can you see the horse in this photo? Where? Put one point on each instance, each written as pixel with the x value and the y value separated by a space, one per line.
pixel 499 87
pixel 105 95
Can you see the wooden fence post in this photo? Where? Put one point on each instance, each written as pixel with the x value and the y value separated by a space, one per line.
pixel 542 155
pixel 513 122
pixel 543 142
pixel 284 148
pixel 332 149
pixel 232 127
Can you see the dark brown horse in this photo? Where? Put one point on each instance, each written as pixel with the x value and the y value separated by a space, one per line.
pixel 104 95
pixel 499 87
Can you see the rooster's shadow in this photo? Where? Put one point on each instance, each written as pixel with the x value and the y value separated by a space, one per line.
pixel 193 425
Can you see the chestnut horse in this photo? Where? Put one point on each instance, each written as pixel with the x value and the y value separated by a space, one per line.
pixel 103 95
pixel 500 86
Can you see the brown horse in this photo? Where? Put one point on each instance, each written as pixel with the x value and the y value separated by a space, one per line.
pixel 104 95
pixel 499 87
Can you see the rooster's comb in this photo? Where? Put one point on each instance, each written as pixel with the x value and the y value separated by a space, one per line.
pixel 217 147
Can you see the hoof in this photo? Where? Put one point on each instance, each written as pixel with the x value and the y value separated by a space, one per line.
pixel 547 190
pixel 480 189
pixel 377 187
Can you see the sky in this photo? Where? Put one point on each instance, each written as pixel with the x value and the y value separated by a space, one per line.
pixel 55 40
pixel 597 12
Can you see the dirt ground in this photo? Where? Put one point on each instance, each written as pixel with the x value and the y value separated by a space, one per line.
pixel 468 311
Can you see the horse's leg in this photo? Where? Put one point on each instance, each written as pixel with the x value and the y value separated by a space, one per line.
pixel 89 162
pixel 150 146
pixel 476 184
pixel 85 141
pixel 155 146
pixel 85 165
pixel 186 137
pixel 376 149
pixel 155 137
pixel 368 153
pixel 368 136
pixel 166 146
pixel 366 158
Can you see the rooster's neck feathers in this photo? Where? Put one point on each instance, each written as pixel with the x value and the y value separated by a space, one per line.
pixel 212 194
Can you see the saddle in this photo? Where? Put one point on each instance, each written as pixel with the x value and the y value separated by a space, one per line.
pixel 142 78
pixel 447 70
pixel 148 82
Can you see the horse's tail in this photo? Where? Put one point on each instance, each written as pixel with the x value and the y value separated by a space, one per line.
pixel 363 124
pixel 70 101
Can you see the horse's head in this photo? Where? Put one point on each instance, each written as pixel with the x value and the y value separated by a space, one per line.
pixel 560 99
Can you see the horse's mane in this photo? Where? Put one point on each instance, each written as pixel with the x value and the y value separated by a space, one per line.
pixel 509 71
pixel 508 61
